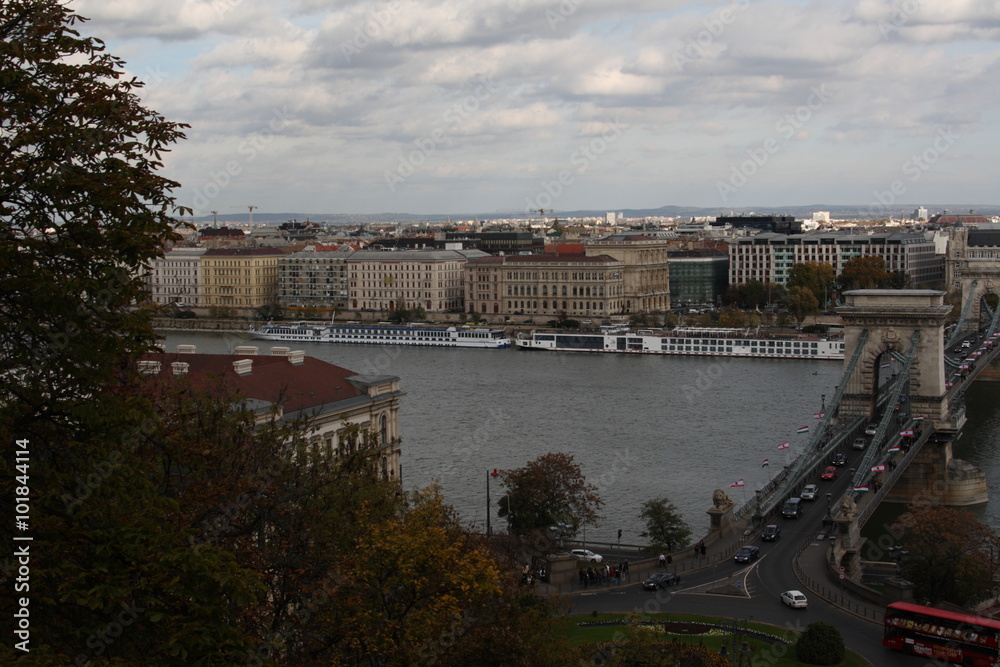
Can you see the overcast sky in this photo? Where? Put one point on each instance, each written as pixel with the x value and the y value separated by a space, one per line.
pixel 451 106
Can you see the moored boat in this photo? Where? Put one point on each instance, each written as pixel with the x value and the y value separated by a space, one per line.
pixel 383 334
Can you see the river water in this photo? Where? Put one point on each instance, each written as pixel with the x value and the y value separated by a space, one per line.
pixel 640 427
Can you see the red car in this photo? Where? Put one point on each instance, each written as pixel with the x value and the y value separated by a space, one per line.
pixel 829 473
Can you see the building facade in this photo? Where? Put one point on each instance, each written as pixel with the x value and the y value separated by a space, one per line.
pixel 769 258
pixel 175 278
pixel 387 280
pixel 698 276
pixel 240 279
pixel 343 411
pixel 314 279
pixel 546 285
pixel 646 269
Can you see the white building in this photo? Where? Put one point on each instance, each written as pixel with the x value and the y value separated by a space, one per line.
pixel 176 277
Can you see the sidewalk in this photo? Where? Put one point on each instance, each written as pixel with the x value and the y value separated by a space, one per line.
pixel 813 572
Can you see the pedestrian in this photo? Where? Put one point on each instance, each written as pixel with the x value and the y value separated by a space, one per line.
pixel 626 566
pixel 670 559
pixel 663 560
pixel 702 547
pixel 583 578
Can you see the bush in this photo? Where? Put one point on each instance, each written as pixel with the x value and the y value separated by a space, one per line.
pixel 820 644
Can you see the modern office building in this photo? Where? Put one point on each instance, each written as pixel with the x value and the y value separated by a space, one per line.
pixel 769 257
pixel 698 276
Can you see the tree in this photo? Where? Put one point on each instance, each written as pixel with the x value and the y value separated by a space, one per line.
pixel 548 491
pixel 951 554
pixel 820 644
pixel 665 527
pixel 800 302
pixel 818 277
pixel 864 273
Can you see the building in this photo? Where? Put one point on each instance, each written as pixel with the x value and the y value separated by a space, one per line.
pixel 314 279
pixel 698 276
pixel 287 385
pixel 240 279
pixel 547 285
pixel 647 269
pixel 222 237
pixel 387 280
pixel 768 258
pixel 972 252
pixel 175 278
pixel 784 224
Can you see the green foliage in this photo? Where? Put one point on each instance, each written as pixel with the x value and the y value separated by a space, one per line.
pixel 820 644
pixel 549 490
pixel 269 311
pixel 864 273
pixel 800 302
pixel 817 277
pixel 665 527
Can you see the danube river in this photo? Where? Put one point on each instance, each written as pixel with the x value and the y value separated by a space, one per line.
pixel 640 427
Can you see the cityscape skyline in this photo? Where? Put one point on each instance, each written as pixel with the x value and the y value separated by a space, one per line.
pixel 443 106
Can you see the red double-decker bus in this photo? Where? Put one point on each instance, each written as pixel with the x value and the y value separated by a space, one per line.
pixel 943 635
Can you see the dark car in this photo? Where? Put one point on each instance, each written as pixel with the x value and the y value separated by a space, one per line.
pixel 839 460
pixel 661 580
pixel 747 554
pixel 771 533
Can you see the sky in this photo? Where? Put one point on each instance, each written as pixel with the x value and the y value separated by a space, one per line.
pixel 464 106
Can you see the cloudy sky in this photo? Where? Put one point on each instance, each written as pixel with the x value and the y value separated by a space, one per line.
pixel 452 106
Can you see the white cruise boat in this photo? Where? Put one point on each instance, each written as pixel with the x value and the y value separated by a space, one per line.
pixel 711 342
pixel 383 334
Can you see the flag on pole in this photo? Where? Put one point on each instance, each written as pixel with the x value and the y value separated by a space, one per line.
pixel 884 364
pixel 819 415
pixel 765 463
pixel 784 445
pixel 918 418
pixel 803 429
pixel 894 449
pixel 878 468
pixel 738 482
pixel 906 434
pixel 861 489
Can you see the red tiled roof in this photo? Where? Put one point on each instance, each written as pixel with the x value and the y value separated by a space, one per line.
pixel 311 384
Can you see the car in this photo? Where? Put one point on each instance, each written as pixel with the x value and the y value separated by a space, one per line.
pixel 839 460
pixel 860 443
pixel 661 580
pixel 829 473
pixel 809 492
pixel 871 429
pixel 795 599
pixel 747 554
pixel 771 533
pixel 587 555
pixel 958 349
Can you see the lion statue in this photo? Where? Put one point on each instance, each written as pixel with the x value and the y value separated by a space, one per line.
pixel 721 499
pixel 847 507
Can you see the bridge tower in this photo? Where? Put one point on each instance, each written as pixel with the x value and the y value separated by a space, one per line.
pixel 974 270
pixel 892 317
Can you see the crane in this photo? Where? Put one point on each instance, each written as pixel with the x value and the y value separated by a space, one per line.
pixel 251 207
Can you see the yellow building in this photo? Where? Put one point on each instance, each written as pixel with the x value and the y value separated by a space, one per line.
pixel 647 269
pixel 240 279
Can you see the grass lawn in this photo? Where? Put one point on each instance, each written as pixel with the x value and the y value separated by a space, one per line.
pixel 777 655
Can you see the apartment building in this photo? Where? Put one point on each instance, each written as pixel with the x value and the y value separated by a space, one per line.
pixel 314 279
pixel 175 278
pixel 769 257
pixel 387 280
pixel 240 279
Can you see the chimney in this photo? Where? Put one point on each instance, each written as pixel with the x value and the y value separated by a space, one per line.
pixel 180 367
pixel 247 350
pixel 296 357
pixel 279 351
pixel 243 366
pixel 186 349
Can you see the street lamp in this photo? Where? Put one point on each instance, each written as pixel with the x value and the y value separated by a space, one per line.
pixel 489 508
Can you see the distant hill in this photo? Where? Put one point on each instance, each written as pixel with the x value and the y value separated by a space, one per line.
pixel 802 212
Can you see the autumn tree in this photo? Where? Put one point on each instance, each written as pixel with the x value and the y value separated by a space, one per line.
pixel 548 491
pixel 951 554
pixel 817 277
pixel 864 273
pixel 800 302
pixel 665 527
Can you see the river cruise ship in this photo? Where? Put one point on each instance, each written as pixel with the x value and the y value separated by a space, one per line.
pixel 383 334
pixel 711 342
